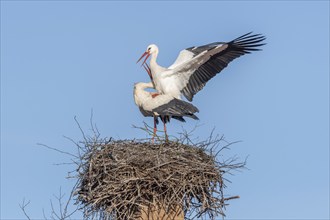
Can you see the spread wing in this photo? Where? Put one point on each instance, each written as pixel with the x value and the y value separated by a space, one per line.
pixel 195 66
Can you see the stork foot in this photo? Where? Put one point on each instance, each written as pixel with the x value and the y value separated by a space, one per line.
pixel 153 136
pixel 166 138
pixel 165 131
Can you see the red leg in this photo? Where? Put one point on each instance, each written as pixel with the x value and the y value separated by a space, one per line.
pixel 154 94
pixel 165 130
pixel 155 129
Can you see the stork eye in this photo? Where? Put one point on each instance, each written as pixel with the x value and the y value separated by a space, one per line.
pixel 149 48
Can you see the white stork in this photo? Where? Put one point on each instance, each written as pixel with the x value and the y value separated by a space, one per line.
pixel 161 105
pixel 195 66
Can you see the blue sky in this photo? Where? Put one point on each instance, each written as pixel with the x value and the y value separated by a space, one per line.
pixel 61 59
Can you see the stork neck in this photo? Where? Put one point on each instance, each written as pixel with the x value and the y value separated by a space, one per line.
pixel 153 62
pixel 148 85
pixel 140 95
pixel 141 86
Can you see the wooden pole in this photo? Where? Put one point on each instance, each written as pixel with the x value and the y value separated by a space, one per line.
pixel 153 213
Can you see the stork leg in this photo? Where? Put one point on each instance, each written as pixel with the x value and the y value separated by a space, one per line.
pixel 165 130
pixel 155 130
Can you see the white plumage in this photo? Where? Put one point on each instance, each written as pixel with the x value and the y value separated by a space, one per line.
pixel 145 100
pixel 195 66
pixel 161 106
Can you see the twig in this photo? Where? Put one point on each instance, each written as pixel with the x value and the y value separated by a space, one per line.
pixel 23 207
pixel 55 149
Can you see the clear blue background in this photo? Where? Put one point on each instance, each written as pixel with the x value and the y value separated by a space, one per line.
pixel 62 59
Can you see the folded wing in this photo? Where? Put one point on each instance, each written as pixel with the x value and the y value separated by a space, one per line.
pixel 177 109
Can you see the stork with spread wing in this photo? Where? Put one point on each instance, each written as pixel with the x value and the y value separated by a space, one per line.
pixel 195 66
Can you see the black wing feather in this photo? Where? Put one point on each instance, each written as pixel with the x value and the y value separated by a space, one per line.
pixel 242 45
pixel 177 109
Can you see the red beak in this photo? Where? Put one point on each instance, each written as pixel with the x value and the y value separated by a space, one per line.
pixel 144 54
pixel 147 68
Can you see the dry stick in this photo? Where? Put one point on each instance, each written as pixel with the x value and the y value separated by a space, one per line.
pixel 55 149
pixel 23 207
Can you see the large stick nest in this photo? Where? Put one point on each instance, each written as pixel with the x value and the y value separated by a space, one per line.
pixel 118 179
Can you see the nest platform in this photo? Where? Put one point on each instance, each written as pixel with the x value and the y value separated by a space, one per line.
pixel 137 179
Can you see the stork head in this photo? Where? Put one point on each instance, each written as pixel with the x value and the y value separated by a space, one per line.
pixel 151 49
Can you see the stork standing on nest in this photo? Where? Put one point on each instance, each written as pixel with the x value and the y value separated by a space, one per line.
pixel 161 106
pixel 195 66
